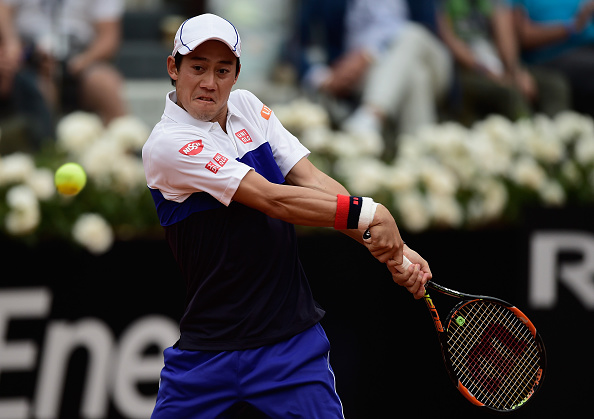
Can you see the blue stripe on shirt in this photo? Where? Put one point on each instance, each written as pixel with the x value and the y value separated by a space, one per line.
pixel 171 212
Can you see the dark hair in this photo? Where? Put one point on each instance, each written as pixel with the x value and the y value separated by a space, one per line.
pixel 178 59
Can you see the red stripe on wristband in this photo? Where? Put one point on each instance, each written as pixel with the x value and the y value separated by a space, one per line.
pixel 342 212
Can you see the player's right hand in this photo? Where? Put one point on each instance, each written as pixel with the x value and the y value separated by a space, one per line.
pixel 385 242
pixel 413 279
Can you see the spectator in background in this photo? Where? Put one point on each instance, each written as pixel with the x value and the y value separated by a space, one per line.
pixel 489 73
pixel 66 45
pixel 390 67
pixel 559 35
pixel 20 98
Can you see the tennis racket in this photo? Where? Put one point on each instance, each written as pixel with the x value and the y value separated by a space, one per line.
pixel 492 351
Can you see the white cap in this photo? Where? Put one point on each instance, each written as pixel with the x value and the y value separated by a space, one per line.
pixel 199 29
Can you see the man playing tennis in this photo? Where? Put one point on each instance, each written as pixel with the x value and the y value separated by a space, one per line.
pixel 229 182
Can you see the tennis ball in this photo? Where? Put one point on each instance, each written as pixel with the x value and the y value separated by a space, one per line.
pixel 70 178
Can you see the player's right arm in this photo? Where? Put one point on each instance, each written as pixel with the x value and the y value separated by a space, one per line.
pixel 312 201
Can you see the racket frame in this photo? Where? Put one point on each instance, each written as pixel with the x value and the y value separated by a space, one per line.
pixel 443 336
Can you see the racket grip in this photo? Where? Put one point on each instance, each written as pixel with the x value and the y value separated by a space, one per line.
pixel 405 262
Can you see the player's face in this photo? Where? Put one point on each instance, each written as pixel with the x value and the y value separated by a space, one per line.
pixel 204 81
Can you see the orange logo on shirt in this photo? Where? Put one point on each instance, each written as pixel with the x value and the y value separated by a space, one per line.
pixel 265 112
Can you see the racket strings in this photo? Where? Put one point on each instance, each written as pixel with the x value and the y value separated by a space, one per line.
pixel 497 353
pixel 493 365
pixel 493 354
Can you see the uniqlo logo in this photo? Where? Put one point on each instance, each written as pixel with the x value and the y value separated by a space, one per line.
pixel 220 159
pixel 193 148
pixel 213 167
pixel 243 136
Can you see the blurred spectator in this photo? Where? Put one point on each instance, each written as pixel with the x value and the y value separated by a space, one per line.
pixel 64 48
pixel 388 66
pixel 489 74
pixel 559 34
pixel 21 103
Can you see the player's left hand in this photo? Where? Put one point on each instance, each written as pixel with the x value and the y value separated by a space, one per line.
pixel 415 277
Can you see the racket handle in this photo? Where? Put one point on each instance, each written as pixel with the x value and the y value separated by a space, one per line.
pixel 405 262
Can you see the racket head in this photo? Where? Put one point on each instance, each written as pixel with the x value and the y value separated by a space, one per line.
pixel 493 353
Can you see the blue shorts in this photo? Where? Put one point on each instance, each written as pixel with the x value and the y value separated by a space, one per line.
pixel 290 379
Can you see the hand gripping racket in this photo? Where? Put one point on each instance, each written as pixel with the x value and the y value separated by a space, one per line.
pixel 492 351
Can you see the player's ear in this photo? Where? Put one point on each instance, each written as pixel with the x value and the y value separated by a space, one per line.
pixel 238 69
pixel 172 68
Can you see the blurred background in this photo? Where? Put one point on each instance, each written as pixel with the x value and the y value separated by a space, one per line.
pixel 471 121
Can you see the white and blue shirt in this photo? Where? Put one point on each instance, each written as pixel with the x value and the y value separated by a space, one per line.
pixel 245 284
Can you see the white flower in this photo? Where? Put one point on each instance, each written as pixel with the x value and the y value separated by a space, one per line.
pixel 128 174
pixel 368 144
pixel 571 173
pixel 301 114
pixel 344 145
pixel 489 200
pixel 16 168
pixel 445 210
pixel 93 232
pixel 527 172
pixel 400 177
pixel 544 143
pixel 410 147
pixel 413 210
pixel 486 155
pixel 571 125
pixel 77 131
pixel 437 178
pixel 21 198
pixel 24 215
pixel 22 222
pixel 317 138
pixel 41 182
pixel 129 131
pixel 552 193
pixel 584 150
pixel 100 159
pixel 364 176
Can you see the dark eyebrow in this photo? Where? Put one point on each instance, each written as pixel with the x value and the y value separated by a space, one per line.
pixel 226 62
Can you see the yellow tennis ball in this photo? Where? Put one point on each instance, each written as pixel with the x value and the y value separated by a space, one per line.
pixel 70 179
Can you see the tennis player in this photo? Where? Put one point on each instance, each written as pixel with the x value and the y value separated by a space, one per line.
pixel 229 182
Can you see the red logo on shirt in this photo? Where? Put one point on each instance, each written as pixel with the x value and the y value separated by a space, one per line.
pixel 213 167
pixel 216 163
pixel 193 148
pixel 265 112
pixel 220 159
pixel 243 136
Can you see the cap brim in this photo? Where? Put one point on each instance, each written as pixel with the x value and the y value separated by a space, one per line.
pixel 185 49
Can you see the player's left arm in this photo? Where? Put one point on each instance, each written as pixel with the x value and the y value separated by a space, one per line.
pixel 305 174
